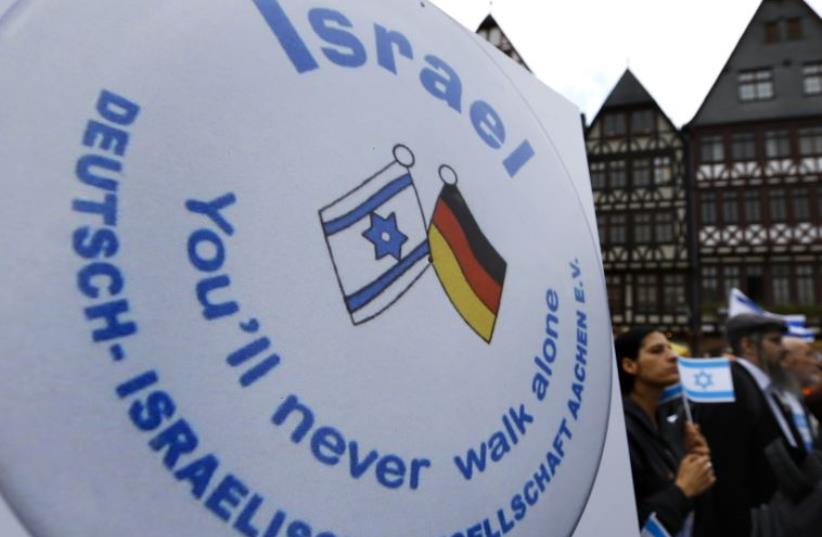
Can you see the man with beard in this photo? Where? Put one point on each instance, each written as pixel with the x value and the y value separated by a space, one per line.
pixel 738 432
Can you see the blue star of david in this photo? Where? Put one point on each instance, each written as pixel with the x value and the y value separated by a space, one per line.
pixel 703 380
pixel 385 236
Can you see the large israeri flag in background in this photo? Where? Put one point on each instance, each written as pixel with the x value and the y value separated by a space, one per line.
pixel 706 380
pixel 738 303
pixel 469 268
pixel 377 239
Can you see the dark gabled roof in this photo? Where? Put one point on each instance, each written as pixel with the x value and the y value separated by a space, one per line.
pixel 488 23
pixel 784 57
pixel 627 92
pixel 505 45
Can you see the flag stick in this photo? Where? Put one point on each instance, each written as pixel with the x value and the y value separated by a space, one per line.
pixel 687 406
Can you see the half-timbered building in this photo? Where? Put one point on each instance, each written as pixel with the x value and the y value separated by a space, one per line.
pixel 491 31
pixel 637 166
pixel 756 161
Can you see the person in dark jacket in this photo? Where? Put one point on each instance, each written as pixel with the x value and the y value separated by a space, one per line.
pixel 739 432
pixel 667 474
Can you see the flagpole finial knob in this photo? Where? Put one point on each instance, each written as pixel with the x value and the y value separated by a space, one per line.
pixel 403 155
pixel 448 175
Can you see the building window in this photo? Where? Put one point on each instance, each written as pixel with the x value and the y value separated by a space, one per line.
pixel 641 173
pixel 794 27
pixel 642 121
pixel 616 229
pixel 616 174
pixel 805 285
pixel 781 278
pixel 743 146
pixel 730 211
pixel 810 141
pixel 664 226
pixel 597 175
pixel 801 204
pixel 614 125
pixel 662 170
pixel 707 207
pixel 753 207
pixel 755 85
pixel 777 144
pixel 614 286
pixel 709 284
pixel 812 78
pixel 602 228
pixel 730 279
pixel 646 293
pixel 772 32
pixel 642 228
pixel 711 149
pixel 673 293
pixel 754 282
pixel 776 203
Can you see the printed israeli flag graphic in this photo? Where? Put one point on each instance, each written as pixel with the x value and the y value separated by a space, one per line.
pixel 377 239
pixel 706 380
pixel 653 528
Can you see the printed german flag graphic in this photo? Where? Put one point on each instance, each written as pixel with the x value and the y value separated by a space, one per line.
pixel 469 268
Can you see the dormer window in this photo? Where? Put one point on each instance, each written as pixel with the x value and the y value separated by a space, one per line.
pixel 772 32
pixel 794 29
pixel 756 85
pixel 789 30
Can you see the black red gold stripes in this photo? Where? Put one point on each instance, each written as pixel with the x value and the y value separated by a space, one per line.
pixel 469 268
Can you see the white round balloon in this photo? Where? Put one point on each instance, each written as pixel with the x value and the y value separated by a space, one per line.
pixel 283 270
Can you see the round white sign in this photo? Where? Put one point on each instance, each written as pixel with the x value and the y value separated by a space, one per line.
pixel 277 268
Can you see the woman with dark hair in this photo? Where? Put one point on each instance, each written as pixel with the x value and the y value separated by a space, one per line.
pixel 670 467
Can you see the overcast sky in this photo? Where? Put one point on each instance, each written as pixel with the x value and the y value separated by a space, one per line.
pixel 676 48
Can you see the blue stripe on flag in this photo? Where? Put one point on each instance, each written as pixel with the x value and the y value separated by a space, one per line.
pixel 653 528
pixel 365 295
pixel 704 363
pixel 367 207
pixel 799 330
pixel 671 393
pixel 708 395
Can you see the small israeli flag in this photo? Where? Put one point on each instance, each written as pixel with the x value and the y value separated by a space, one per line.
pixel 377 238
pixel 804 428
pixel 653 528
pixel 738 303
pixel 706 380
pixel 800 420
pixel 672 392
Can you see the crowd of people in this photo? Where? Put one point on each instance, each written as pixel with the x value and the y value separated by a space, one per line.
pixel 751 467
